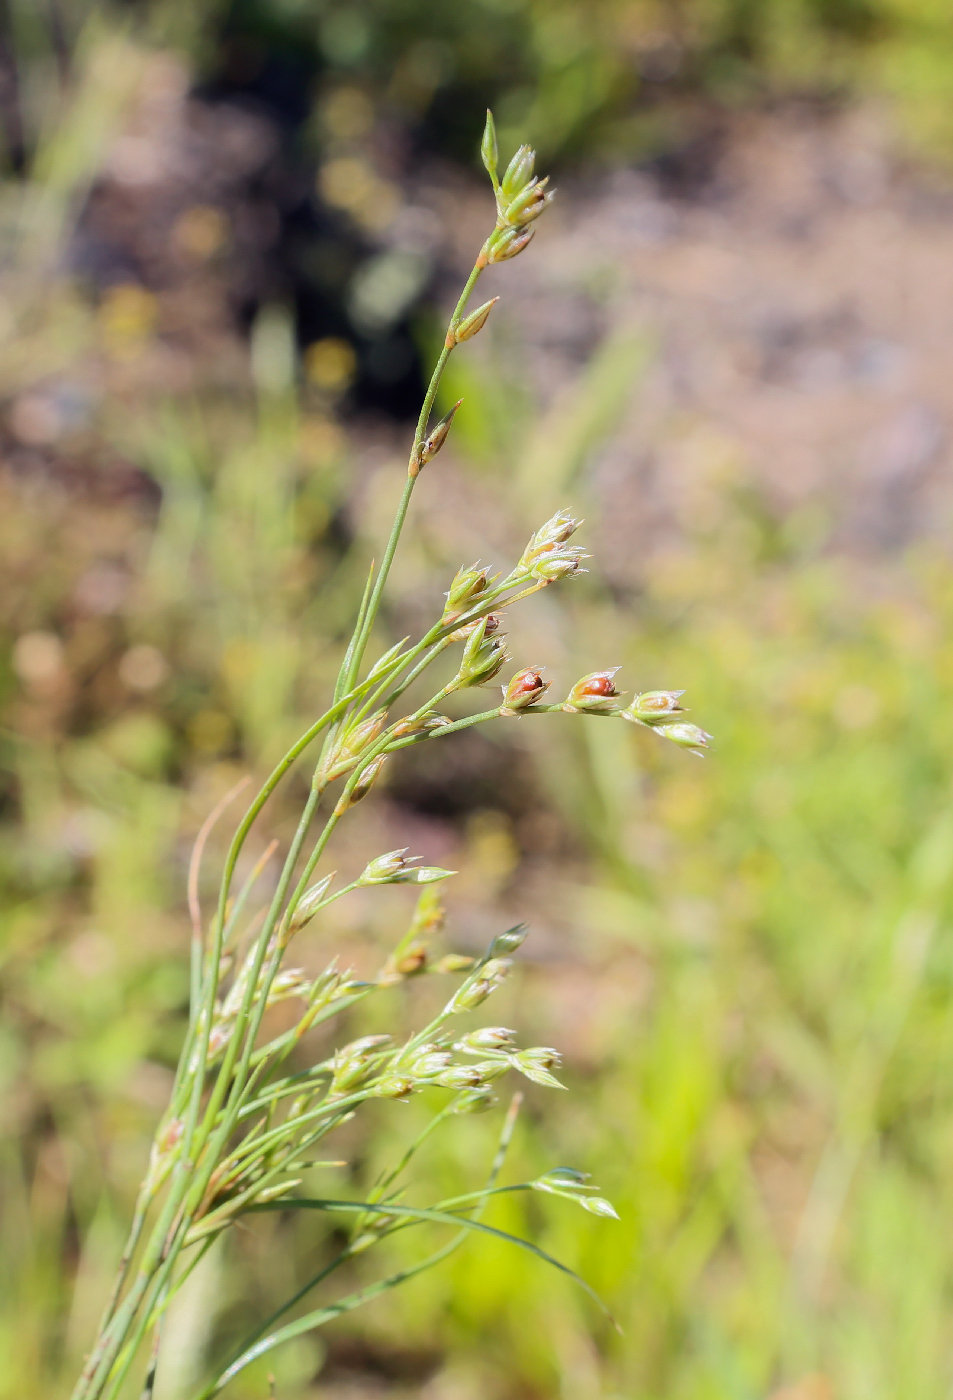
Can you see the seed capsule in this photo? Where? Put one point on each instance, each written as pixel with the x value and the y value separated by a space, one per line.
pixel 487 1038
pixel 523 690
pixel 595 693
pixel 687 736
pixel 653 705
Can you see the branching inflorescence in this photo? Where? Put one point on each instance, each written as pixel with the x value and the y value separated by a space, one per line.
pixel 242 1127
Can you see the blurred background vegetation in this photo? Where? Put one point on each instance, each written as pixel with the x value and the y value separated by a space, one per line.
pixel 227 234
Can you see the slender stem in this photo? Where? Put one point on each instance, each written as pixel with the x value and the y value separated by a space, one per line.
pixel 363 632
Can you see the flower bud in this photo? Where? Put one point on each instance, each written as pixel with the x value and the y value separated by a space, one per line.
pixel 454 962
pixel 519 172
pixel 460 1077
pixel 483 658
pixel 530 203
pixel 326 986
pixel 557 530
pixel 309 904
pixel 395 1086
pixel 420 724
pixel 471 325
pixel 595 693
pixel 687 736
pixel 383 870
pixel 559 566
pixel 524 689
pixel 536 1065
pixel 412 961
pixel 598 1205
pixel 653 705
pixel 352 1063
pixel 467 585
pixel 433 1063
pixel 506 243
pixel 472 994
pixel 362 787
pixel 383 661
pixel 488 147
pixel 477 1102
pixel 508 942
pixel 290 982
pixel 487 1038
pixel 432 444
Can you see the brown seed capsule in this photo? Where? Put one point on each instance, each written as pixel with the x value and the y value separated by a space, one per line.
pixel 594 693
pixel 524 689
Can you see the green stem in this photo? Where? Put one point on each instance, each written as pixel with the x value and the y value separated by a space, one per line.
pixel 363 632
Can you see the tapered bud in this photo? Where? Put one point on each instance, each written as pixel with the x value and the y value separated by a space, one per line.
pixel 383 662
pixel 487 1038
pixel 353 1063
pixel 687 736
pixel 471 325
pixel 519 172
pixel 467 585
pixel 461 1077
pixel 350 744
pixel 654 705
pixel 419 724
pixel 454 962
pixel 488 146
pixel 385 869
pixel 530 203
pixel 471 994
pixel 432 444
pixel 571 1185
pixel 525 688
pixel 492 621
pixel 506 243
pixel 477 1102
pixel 433 1063
pixel 559 566
pixel 508 942
pixel 598 1205
pixel 326 986
pixel 362 787
pixel 595 693
pixel 547 555
pixel 395 1086
pixel 291 982
pixel 536 1065
pixel 309 904
pixel 497 969
pixel 483 658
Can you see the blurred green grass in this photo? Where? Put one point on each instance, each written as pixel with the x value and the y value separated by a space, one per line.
pixel 755 988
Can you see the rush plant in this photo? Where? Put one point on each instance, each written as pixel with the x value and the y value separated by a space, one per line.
pixel 243 1124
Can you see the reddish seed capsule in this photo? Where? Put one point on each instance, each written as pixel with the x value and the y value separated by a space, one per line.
pixel 594 692
pixel 525 688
